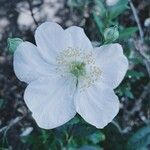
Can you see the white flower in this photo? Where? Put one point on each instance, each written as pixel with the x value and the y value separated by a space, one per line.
pixel 111 2
pixel 66 75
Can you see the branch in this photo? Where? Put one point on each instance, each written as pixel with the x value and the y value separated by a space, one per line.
pixel 138 105
pixel 121 131
pixel 140 48
pixel 32 14
pixel 12 123
pixel 137 20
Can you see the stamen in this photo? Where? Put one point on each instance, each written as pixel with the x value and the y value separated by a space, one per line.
pixel 79 63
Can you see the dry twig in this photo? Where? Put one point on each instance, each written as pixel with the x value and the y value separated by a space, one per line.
pixel 140 48
pixel 137 20
pixel 32 14
pixel 12 123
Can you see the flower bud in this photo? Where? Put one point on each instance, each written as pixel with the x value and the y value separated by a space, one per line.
pixel 111 34
pixel 13 43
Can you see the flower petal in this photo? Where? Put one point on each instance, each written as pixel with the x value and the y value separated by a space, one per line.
pixel 98 105
pixel 112 63
pixel 51 101
pixel 79 38
pixel 51 38
pixel 28 64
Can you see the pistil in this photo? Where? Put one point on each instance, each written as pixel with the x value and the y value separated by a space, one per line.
pixel 77 68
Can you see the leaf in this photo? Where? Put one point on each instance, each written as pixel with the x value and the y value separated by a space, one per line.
pixel 137 60
pixel 115 10
pixel 128 93
pixel 75 120
pixel 44 136
pixel 140 140
pixel 99 8
pixel 98 22
pixel 114 139
pixel 1 103
pixel 80 130
pixel 125 90
pixel 127 32
pixel 13 43
pixel 134 74
pixel 97 137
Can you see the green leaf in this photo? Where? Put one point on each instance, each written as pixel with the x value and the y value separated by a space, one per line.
pixel 97 137
pixel 98 22
pixel 99 8
pixel 128 93
pixel 140 140
pixel 44 136
pixel 75 120
pixel 134 74
pixel 114 139
pixel 137 60
pixel 115 10
pixel 2 103
pixel 125 90
pixel 13 43
pixel 80 130
pixel 127 32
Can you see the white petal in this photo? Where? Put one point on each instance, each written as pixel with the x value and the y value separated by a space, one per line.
pixel 79 38
pixel 51 101
pixel 28 64
pixel 98 105
pixel 51 38
pixel 112 63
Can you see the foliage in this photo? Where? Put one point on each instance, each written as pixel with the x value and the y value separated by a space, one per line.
pixel 140 140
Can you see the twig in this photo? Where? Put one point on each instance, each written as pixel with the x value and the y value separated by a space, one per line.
pixel 32 14
pixel 137 20
pixel 12 123
pixel 121 131
pixel 147 63
pixel 117 126
pixel 139 47
pixel 140 50
pixel 137 105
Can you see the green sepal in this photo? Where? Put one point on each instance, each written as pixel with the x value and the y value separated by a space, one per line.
pixel 13 43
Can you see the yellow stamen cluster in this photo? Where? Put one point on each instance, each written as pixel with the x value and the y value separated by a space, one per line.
pixel 91 78
pixel 88 58
pixel 81 64
pixel 63 57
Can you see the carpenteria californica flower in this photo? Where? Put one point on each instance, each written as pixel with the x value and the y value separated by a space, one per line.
pixel 66 75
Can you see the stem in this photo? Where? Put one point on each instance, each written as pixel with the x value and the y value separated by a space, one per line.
pixel 137 20
pixel 32 14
